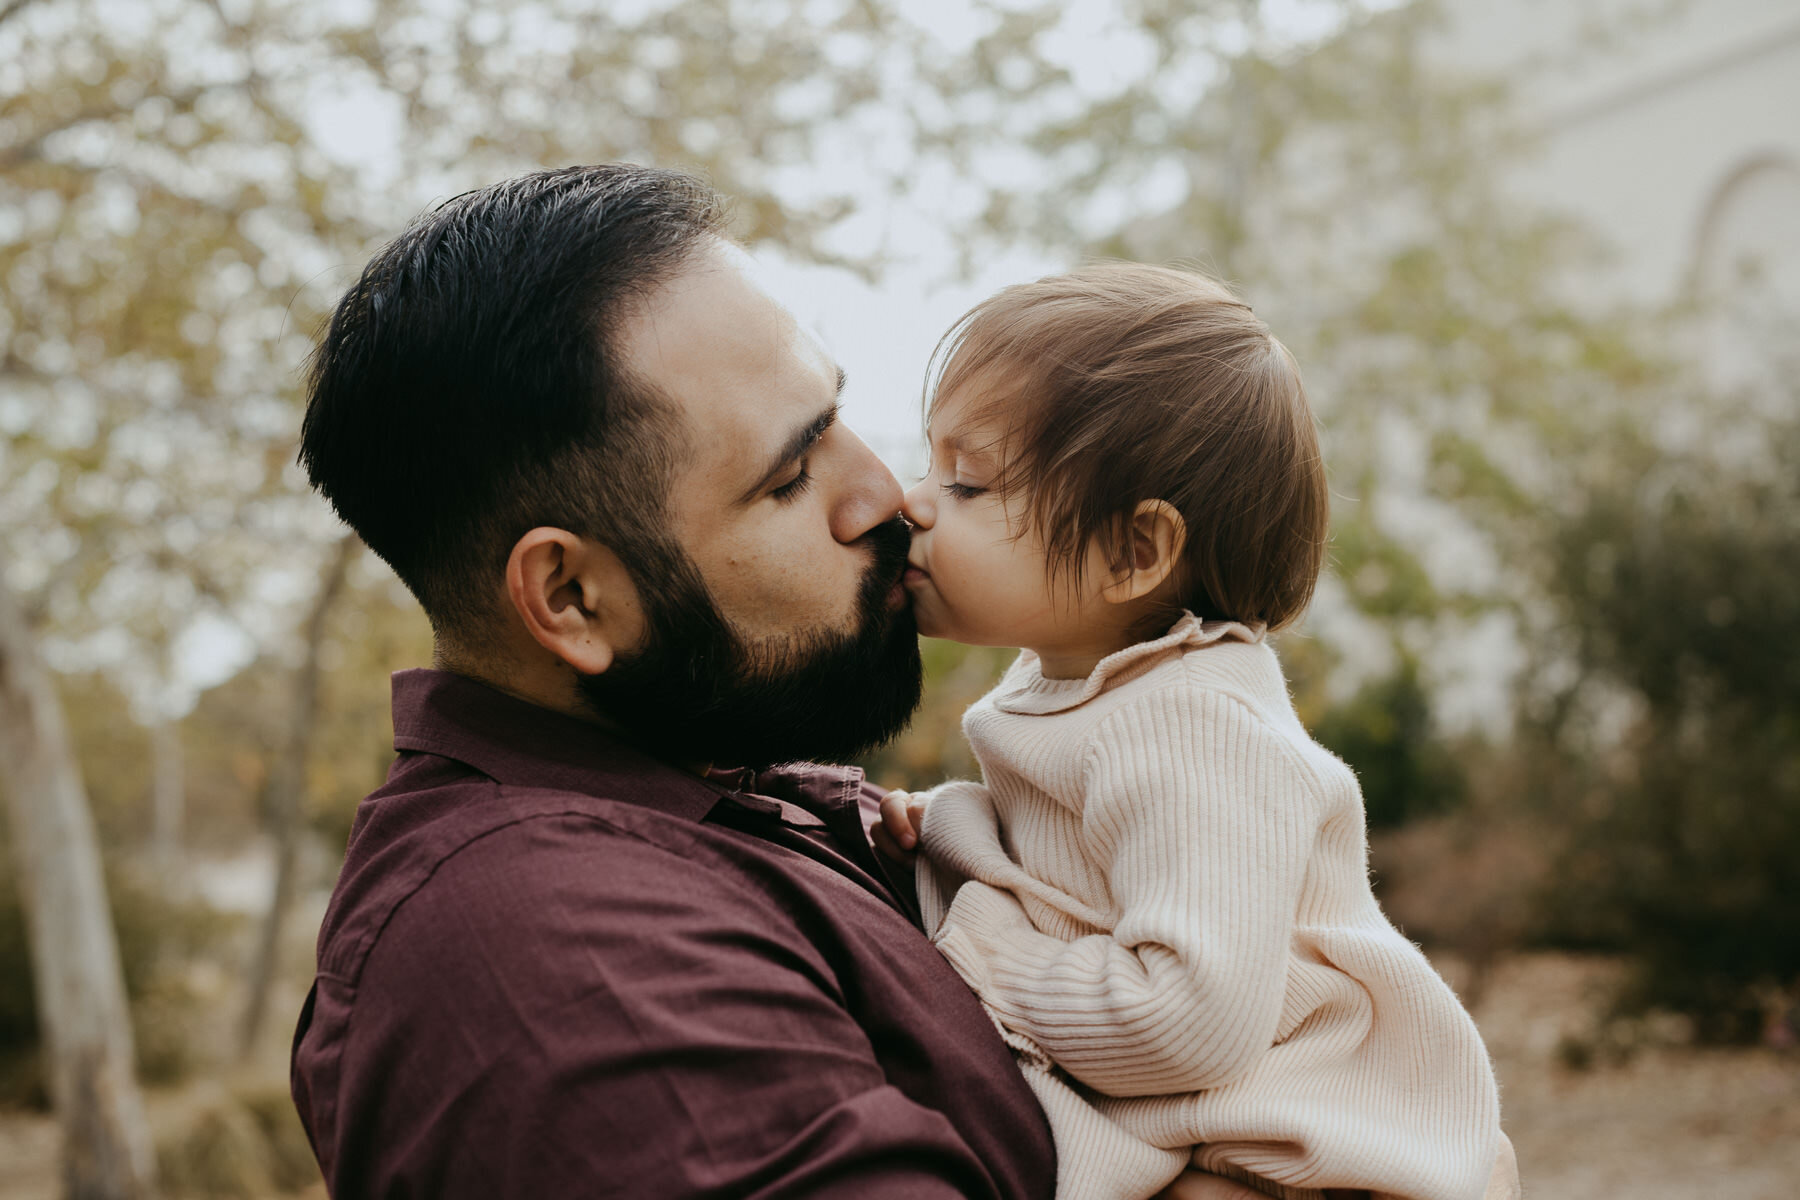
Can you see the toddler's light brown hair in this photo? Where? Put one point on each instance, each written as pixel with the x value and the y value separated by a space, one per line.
pixel 1120 383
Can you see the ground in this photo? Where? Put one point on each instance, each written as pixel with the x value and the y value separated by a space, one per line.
pixel 1666 1122
pixel 1671 1122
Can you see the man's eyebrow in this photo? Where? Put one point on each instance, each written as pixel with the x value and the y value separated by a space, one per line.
pixel 797 444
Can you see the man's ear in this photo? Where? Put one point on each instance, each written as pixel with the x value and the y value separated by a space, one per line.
pixel 1154 537
pixel 575 598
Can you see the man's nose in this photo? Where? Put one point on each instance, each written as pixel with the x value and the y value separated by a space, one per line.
pixel 870 496
pixel 919 504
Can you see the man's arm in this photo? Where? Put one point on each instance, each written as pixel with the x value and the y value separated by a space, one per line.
pixel 584 1027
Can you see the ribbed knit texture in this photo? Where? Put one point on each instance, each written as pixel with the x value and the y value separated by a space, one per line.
pixel 1162 895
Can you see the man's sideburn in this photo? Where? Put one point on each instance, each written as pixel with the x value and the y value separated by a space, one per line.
pixel 697 692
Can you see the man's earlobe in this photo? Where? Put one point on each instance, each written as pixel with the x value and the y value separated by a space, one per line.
pixel 1155 535
pixel 574 597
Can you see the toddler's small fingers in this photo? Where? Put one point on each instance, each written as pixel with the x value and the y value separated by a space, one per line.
pixel 897 820
pixel 915 809
pixel 884 842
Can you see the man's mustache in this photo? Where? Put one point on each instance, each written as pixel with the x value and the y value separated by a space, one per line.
pixel 890 542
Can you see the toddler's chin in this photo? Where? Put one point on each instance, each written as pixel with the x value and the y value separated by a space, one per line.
pixel 929 624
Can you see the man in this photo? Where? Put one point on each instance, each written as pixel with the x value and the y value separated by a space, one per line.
pixel 588 938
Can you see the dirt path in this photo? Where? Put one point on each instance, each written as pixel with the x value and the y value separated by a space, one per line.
pixel 27 1157
pixel 1669 1123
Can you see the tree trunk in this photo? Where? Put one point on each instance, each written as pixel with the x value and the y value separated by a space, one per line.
pixel 287 786
pixel 85 1021
pixel 168 801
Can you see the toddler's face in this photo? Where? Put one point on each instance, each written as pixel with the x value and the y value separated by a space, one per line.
pixel 972 576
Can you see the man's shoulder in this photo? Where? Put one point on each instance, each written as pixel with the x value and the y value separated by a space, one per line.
pixel 449 837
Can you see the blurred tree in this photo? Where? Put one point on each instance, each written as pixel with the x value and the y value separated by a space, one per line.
pixel 1384 732
pixel 75 957
pixel 287 787
pixel 1675 583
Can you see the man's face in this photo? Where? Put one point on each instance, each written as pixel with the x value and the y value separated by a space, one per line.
pixel 779 629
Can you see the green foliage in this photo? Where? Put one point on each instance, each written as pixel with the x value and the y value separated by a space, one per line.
pixel 1676 581
pixel 1385 733
pixel 1383 577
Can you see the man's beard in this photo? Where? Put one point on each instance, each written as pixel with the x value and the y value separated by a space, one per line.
pixel 696 692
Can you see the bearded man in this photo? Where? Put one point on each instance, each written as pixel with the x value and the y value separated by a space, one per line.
pixel 593 937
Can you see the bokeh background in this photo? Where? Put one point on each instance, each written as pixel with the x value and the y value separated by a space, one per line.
pixel 1540 262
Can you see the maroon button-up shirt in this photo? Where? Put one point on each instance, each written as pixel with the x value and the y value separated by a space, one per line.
pixel 554 967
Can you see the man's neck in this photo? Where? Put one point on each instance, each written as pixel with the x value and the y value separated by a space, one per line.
pixel 544 687
pixel 540 684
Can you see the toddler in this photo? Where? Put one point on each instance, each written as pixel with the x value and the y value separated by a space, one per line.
pixel 1160 888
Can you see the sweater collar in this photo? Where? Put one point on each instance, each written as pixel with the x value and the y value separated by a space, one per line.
pixel 1024 689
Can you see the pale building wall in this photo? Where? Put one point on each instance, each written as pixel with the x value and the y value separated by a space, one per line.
pixel 1673 129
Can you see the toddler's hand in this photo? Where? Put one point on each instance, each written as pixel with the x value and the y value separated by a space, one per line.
pixel 896 834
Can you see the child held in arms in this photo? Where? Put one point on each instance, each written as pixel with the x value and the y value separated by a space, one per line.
pixel 1160 888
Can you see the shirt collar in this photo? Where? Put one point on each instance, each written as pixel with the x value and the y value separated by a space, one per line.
pixel 520 744
pixel 524 745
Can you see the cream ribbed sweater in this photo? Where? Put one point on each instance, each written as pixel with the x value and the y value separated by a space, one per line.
pixel 1162 895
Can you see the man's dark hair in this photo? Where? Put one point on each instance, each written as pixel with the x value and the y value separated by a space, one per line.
pixel 469 387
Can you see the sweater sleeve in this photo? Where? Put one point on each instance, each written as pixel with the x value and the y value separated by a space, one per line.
pixel 1204 821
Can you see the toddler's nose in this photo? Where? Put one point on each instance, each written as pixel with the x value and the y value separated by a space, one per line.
pixel 919 505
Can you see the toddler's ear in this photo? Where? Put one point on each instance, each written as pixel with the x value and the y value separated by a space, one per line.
pixel 1155 535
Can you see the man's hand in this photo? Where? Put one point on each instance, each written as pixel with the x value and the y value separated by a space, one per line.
pixel 896 834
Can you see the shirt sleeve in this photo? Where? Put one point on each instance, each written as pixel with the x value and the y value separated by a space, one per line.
pixel 1203 821
pixel 623 1023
